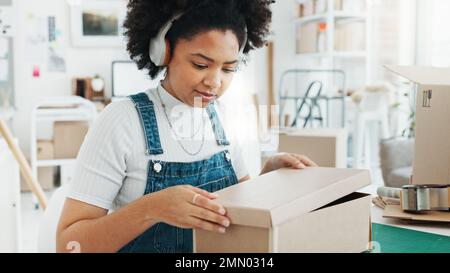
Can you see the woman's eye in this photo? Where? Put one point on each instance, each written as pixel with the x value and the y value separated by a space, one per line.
pixel 199 66
pixel 228 70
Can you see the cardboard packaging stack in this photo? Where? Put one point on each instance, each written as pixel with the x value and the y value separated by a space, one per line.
pixel 310 210
pixel 326 147
pixel 46 175
pixel 307 38
pixel 432 144
pixel 350 35
pixel 68 137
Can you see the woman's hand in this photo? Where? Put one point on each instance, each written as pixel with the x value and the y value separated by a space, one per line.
pixel 190 207
pixel 294 161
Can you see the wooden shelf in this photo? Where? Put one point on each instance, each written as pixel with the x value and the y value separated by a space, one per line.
pixel 349 15
pixel 311 18
pixel 335 54
pixel 337 15
pixel 61 114
pixel 55 162
pixel 349 54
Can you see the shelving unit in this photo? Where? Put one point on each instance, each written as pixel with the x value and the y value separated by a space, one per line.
pixel 355 60
pixel 337 15
pixel 67 108
pixel 331 17
pixel 336 54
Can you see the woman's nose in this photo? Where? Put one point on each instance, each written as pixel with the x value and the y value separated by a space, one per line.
pixel 212 80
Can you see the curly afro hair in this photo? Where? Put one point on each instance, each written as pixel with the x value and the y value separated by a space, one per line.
pixel 146 17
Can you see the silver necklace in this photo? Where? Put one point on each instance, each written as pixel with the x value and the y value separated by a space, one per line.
pixel 173 130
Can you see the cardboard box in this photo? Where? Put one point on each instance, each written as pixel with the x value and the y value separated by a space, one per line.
pixel 350 36
pixel 45 150
pixel 307 38
pixel 326 147
pixel 395 211
pixel 308 8
pixel 431 163
pixel 68 137
pixel 46 178
pixel 337 5
pixel 310 210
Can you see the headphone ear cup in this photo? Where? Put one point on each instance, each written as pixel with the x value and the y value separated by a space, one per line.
pixel 167 54
pixel 157 51
pixel 159 46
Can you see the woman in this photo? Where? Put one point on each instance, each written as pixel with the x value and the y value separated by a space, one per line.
pixel 156 184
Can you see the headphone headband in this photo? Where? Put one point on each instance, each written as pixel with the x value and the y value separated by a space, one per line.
pixel 159 50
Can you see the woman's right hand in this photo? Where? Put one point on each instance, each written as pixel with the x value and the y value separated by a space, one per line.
pixel 190 207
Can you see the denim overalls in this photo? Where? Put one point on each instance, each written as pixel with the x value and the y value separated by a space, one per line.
pixel 210 174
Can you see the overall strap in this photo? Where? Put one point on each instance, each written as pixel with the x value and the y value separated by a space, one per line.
pixel 217 126
pixel 146 111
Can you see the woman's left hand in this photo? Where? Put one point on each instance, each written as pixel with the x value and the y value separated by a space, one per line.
pixel 294 161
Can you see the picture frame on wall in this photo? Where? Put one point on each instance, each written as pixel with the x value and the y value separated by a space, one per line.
pixel 97 23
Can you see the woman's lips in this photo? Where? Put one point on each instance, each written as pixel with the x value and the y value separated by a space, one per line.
pixel 206 97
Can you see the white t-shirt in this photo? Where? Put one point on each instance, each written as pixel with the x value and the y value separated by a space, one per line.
pixel 111 167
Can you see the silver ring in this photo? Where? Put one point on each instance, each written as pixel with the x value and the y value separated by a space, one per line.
pixel 195 198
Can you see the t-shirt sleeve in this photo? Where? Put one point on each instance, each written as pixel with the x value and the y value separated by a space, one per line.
pixel 101 162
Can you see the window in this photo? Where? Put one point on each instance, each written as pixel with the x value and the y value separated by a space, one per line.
pixel 392 30
pixel 433 33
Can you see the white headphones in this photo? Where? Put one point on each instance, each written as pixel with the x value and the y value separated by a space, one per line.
pixel 159 48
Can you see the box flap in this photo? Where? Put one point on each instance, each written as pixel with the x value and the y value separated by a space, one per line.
pixel 423 75
pixel 394 211
pixel 278 196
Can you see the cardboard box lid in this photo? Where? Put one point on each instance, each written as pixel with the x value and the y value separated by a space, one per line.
pixel 281 195
pixel 423 75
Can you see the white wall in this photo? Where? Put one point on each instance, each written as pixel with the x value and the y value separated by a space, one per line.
pixel 80 62
pixel 433 37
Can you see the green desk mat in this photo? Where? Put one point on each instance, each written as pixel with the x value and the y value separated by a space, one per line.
pixel 400 240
